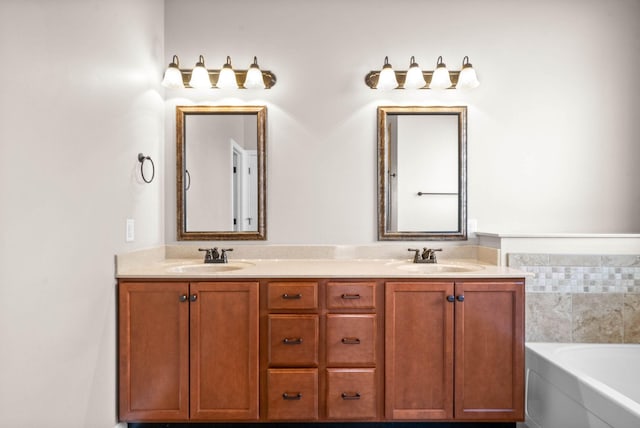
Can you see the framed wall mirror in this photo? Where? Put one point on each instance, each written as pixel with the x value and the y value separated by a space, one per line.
pixel 220 175
pixel 422 177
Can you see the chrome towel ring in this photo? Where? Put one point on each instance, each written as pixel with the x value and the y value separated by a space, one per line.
pixel 142 158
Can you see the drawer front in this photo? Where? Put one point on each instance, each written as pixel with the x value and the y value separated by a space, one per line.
pixel 351 295
pixel 292 295
pixel 293 340
pixel 351 393
pixel 292 394
pixel 351 340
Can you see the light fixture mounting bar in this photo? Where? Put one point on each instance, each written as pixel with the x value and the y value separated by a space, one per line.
pixel 268 76
pixel 371 79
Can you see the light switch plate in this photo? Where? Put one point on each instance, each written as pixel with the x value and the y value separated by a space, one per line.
pixel 472 226
pixel 130 232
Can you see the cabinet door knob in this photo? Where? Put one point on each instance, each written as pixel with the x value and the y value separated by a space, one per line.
pixel 350 340
pixel 292 341
pixel 461 298
pixel 291 396
pixel 183 298
pixel 350 395
pixel 451 299
pixel 193 297
pixel 287 296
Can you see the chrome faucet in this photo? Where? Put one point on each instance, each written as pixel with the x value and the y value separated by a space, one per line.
pixel 428 255
pixel 212 255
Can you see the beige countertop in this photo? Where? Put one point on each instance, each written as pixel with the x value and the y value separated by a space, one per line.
pixel 161 264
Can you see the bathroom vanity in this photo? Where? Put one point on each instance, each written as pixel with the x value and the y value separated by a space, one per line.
pixel 320 340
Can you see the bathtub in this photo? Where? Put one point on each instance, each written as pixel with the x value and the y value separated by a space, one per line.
pixel 582 385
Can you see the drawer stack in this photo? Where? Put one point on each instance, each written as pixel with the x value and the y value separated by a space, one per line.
pixel 293 329
pixel 351 330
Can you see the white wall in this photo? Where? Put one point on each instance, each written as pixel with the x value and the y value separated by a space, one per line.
pixel 79 99
pixel 551 138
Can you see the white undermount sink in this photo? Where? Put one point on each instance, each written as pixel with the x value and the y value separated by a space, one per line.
pixel 206 268
pixel 438 267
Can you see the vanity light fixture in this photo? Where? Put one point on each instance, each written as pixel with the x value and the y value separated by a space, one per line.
pixel 414 78
pixel 200 77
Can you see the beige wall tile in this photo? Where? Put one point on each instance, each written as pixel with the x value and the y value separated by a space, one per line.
pixel 622 260
pixel 574 260
pixel 631 318
pixel 548 317
pixel 517 260
pixel 597 318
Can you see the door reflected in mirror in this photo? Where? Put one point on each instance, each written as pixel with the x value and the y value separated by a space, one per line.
pixel 421 173
pixel 220 172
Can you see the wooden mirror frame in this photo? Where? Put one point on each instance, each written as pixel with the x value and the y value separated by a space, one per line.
pixel 383 162
pixel 181 113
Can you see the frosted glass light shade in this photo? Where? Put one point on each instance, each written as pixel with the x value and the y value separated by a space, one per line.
pixel 227 77
pixel 440 78
pixel 467 78
pixel 254 78
pixel 415 78
pixel 200 76
pixel 387 79
pixel 172 75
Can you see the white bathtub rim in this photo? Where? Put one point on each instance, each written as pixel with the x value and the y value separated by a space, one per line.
pixel 597 396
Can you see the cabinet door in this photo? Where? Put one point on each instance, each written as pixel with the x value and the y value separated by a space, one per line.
pixel 153 335
pixel 224 350
pixel 489 368
pixel 418 350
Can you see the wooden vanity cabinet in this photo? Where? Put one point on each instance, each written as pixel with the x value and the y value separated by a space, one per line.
pixel 454 350
pixel 313 350
pixel 188 351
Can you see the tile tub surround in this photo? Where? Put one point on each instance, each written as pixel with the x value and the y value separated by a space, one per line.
pixel 581 298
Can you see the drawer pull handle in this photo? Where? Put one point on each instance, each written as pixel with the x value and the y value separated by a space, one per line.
pixel 288 296
pixel 292 396
pixel 292 341
pixel 350 296
pixel 350 340
pixel 350 395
